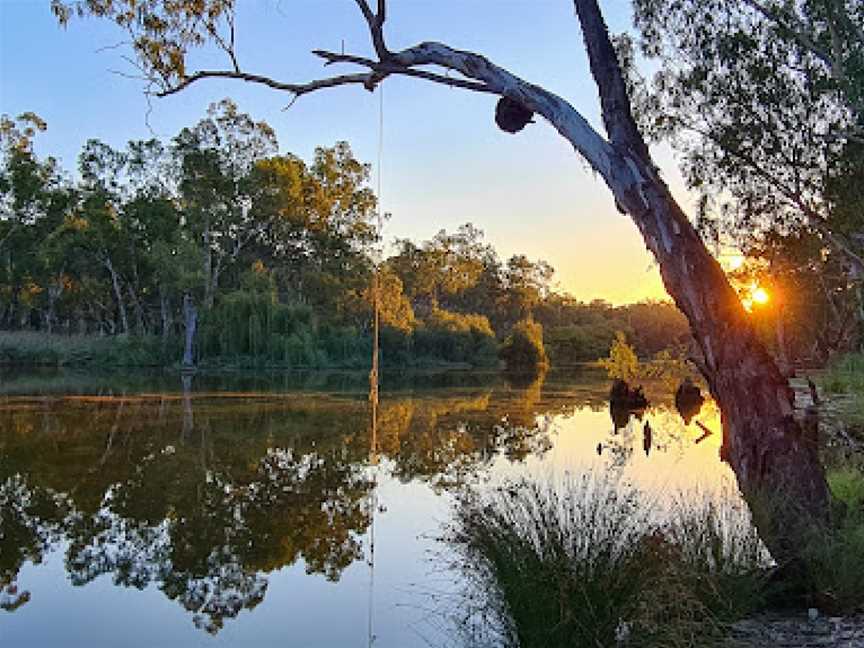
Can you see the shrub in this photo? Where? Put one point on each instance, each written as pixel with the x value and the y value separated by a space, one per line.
pixel 523 348
pixel 24 348
pixel 622 363
pixel 456 337
pixel 574 344
pixel 836 560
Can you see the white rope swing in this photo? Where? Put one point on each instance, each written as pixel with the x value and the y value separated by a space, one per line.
pixel 374 377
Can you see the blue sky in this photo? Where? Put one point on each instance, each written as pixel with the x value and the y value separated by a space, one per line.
pixel 444 161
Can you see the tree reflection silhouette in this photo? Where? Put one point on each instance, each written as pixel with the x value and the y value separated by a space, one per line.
pixel 203 496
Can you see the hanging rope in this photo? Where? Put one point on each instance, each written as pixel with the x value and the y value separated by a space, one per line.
pixel 373 382
pixel 373 374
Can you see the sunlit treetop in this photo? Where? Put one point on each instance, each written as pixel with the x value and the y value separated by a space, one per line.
pixel 18 134
pixel 162 32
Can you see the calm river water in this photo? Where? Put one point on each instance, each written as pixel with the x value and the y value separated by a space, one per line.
pixel 267 511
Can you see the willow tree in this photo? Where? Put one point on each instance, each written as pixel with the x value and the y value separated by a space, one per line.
pixel 763 442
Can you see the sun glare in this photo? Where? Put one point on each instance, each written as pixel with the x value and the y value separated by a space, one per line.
pixel 760 296
pixel 734 262
pixel 756 295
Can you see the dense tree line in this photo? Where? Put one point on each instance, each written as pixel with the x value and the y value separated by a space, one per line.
pixel 247 253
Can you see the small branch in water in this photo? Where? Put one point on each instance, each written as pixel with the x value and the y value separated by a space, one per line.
pixel 705 432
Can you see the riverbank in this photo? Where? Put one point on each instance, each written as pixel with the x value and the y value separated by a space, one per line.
pixel 23 349
pixel 802 630
pixel 592 560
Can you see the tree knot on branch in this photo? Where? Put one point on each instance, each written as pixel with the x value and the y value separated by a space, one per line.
pixel 511 116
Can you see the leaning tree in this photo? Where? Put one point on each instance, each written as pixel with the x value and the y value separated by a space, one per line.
pixel 763 442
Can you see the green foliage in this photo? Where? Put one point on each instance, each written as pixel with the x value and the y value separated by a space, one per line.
pixel 622 363
pixel 274 254
pixel 24 348
pixel 252 329
pixel 523 348
pixel 443 267
pixel 575 344
pixel 765 103
pixel 670 367
pixel 394 308
pixel 456 337
pixel 577 332
pixel 847 485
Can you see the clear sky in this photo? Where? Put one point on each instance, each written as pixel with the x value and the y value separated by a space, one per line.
pixel 444 160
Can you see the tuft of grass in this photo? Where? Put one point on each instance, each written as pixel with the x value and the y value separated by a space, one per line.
pixel 836 560
pixel 723 559
pixel 847 485
pixel 845 375
pixel 585 562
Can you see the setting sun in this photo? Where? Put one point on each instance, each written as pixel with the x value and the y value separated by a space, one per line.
pixel 755 295
pixel 759 296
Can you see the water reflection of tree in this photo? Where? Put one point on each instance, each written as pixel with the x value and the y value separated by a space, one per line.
pixel 202 497
pixel 30 523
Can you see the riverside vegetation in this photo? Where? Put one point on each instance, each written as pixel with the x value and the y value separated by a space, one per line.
pixel 589 560
pixel 253 257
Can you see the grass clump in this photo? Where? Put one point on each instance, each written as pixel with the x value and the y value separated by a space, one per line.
pixel 586 563
pixel 836 560
pixel 26 348
pixel 845 375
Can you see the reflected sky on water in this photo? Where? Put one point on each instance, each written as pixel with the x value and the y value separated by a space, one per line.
pixel 241 511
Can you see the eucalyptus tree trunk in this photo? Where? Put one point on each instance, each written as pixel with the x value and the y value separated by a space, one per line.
pixel 211 269
pixel 140 322
pixel 190 316
pixel 775 464
pixel 118 293
pixel 54 291
pixel 165 312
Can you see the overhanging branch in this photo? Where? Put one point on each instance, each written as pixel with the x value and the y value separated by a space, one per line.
pixel 296 89
pixel 475 72
pixel 622 168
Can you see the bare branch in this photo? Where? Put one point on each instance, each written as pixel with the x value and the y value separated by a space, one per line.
pixel 390 67
pixel 478 74
pixel 228 47
pixel 376 26
pixel 366 11
pixel 296 89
